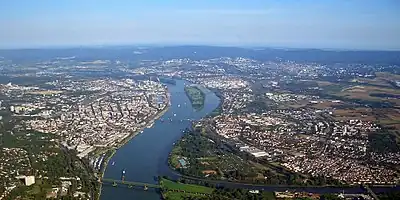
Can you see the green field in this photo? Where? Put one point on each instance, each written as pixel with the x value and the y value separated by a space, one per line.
pixel 179 191
pixel 187 190
pixel 178 196
pixel 196 96
pixel 171 185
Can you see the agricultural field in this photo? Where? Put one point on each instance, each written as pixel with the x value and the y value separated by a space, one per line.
pixel 371 93
pixel 374 99
pixel 383 88
pixel 46 92
pixel 383 79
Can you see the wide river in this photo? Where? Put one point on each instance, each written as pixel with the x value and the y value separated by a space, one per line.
pixel 145 156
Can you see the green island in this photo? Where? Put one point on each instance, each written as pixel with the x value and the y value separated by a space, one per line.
pixel 196 96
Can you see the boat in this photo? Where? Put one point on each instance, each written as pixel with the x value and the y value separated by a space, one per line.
pixel 174 115
pixel 123 173
pixel 113 163
pixel 150 125
pixel 179 105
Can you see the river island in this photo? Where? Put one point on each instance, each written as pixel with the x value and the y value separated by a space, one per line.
pixel 196 96
pixel 286 120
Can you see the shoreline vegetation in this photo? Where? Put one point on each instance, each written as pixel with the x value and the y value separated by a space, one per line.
pixel 201 151
pixel 175 190
pixel 196 96
pixel 113 150
pixel 188 189
pixel 218 110
pixel 210 169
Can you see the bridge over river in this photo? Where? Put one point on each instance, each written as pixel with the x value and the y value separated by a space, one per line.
pixel 130 184
pixel 146 155
pixel 165 187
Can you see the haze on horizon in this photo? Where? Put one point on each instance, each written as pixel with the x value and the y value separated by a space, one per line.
pixel 335 24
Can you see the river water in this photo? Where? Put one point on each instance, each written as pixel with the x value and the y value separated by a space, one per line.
pixel 145 156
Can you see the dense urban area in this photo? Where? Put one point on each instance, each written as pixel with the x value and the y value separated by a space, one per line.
pixel 285 118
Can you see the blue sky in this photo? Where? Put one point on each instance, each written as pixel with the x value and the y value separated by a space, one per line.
pixel 337 24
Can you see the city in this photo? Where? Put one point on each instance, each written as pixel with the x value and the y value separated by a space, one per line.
pixel 200 100
pixel 277 117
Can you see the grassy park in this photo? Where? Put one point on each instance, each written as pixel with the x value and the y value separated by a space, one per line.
pixel 178 191
pixel 182 191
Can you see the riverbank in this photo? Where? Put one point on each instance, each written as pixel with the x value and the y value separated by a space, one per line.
pixel 217 111
pixel 326 189
pixel 105 163
pixel 127 139
pixel 206 163
pixel 145 156
pixel 176 190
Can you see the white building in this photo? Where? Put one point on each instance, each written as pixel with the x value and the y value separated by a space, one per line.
pixel 28 180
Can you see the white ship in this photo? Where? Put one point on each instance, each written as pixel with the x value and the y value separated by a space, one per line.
pixel 150 125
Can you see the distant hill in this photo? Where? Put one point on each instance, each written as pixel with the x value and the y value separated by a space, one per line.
pixel 205 52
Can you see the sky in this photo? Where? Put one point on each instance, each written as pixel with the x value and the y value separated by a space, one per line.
pixel 328 24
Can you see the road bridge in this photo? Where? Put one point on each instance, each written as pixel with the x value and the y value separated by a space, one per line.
pixel 115 183
pixel 371 192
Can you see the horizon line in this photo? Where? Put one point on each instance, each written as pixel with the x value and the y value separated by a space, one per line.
pixel 160 45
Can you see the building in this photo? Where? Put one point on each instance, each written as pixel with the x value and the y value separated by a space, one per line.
pixel 28 180
pixel 182 162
